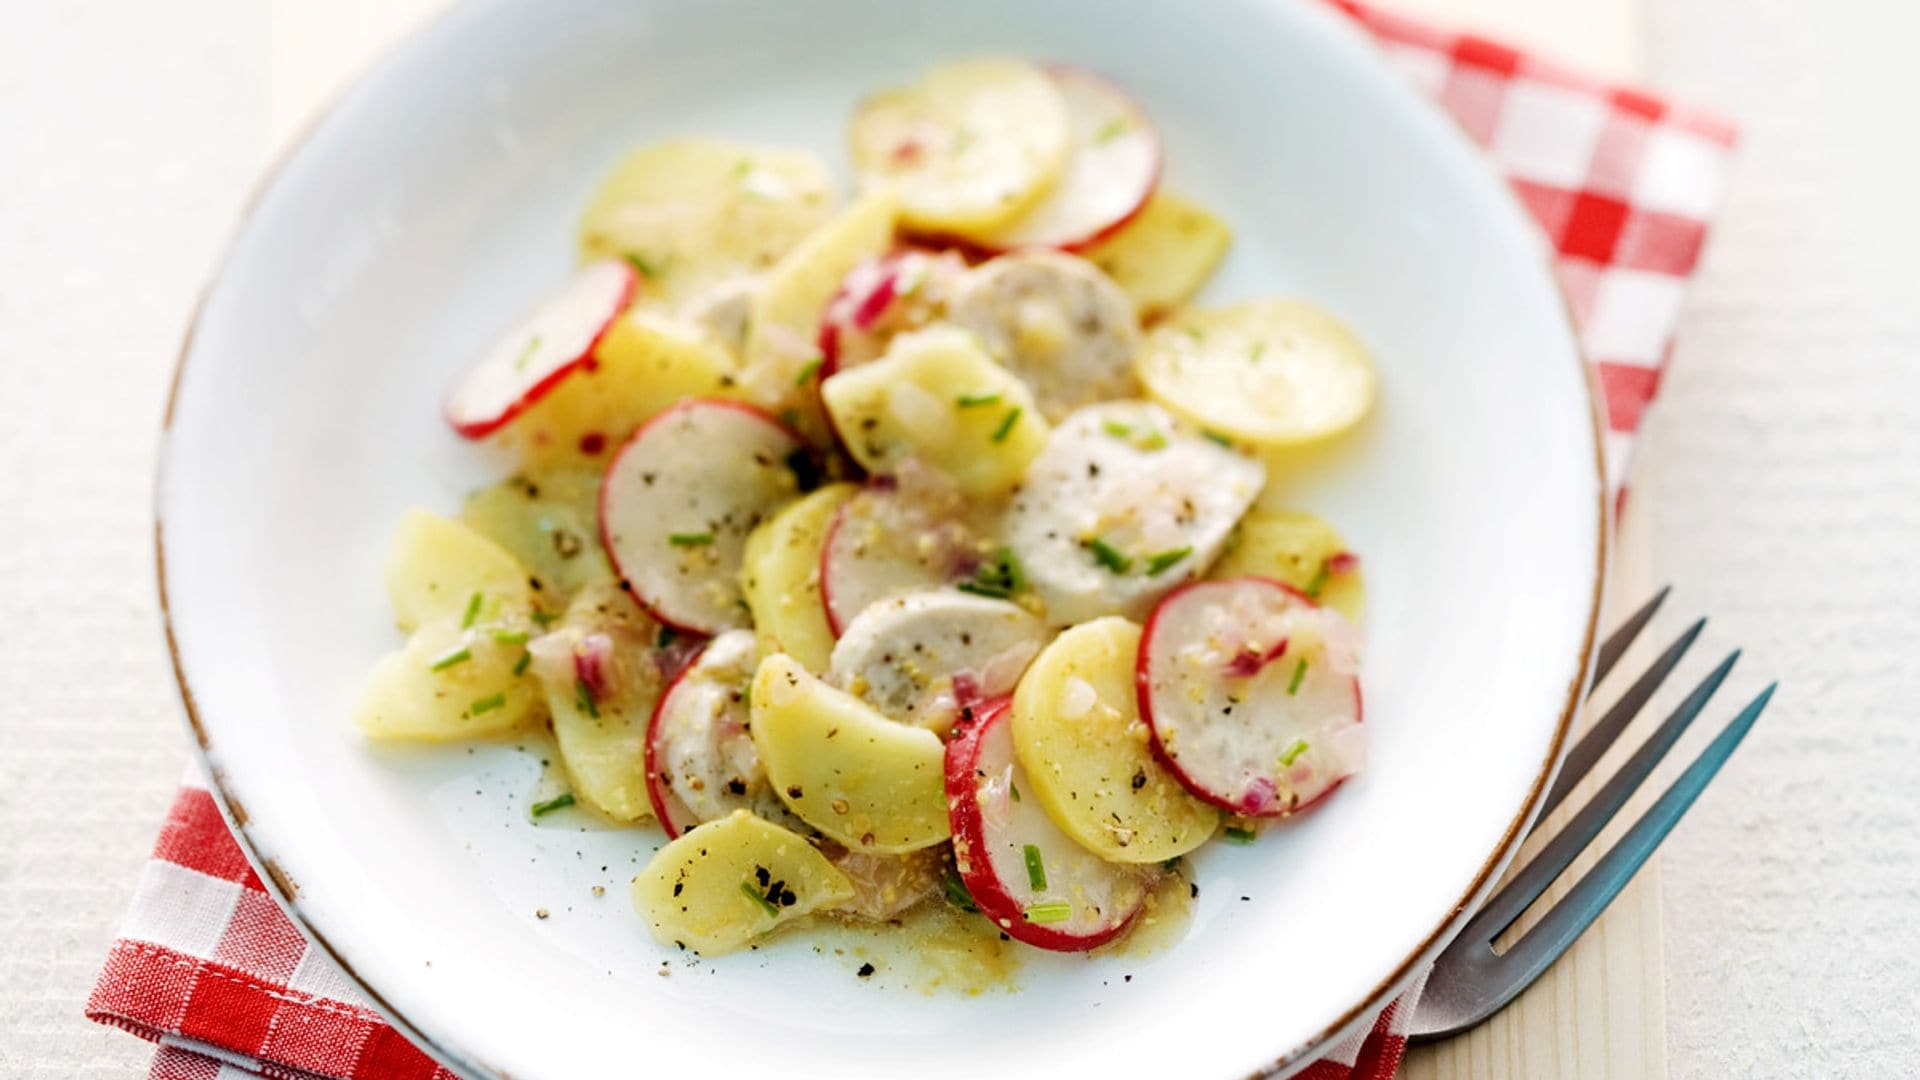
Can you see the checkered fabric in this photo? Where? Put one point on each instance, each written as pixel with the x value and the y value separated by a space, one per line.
pixel 1622 182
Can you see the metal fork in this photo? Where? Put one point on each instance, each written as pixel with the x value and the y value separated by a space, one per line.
pixel 1471 981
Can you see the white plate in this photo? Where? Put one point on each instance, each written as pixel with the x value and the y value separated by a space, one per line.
pixel 439 196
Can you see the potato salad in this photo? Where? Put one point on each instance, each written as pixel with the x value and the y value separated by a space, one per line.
pixel 901 548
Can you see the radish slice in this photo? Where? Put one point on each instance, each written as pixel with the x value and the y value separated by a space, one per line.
pixel 1120 507
pixel 923 657
pixel 525 363
pixel 700 761
pixel 888 540
pixel 679 499
pixel 1250 691
pixel 1058 323
pixel 1026 875
pixel 1112 171
pixel 884 297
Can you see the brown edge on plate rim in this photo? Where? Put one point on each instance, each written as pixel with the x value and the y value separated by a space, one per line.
pixel 286 892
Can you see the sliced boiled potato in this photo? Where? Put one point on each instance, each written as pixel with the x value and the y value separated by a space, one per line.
pixel 783 357
pixel 602 671
pixel 689 212
pixel 549 521
pixel 972 146
pixel 724 884
pixel 936 397
pixel 438 569
pixel 1272 372
pixel 450 682
pixel 1164 254
pixel 644 364
pixel 780 576
pixel 1079 737
pixel 1297 549
pixel 843 768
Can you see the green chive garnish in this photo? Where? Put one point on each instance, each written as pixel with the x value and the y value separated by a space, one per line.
pixel 457 656
pixel 1111 130
pixel 1238 835
pixel 1036 870
pixel 1006 425
pixel 526 354
pixel 957 893
pixel 1154 441
pixel 1014 790
pixel 1319 581
pixel 807 373
pixel 1299 672
pixel 1293 752
pixel 558 802
pixel 1214 436
pixel 974 401
pixel 753 894
pixel 1052 911
pixel 641 266
pixel 520 665
pixel 487 704
pixel 542 619
pixel 473 611
pixel 742 168
pixel 665 637
pixel 508 637
pixel 1159 564
pixel 1010 571
pixel 1109 556
pixel 690 539
pixel 1117 429
pixel 979 588
pixel 583 695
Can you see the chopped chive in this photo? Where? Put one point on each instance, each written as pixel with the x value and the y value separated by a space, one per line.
pixel 1214 436
pixel 1299 746
pixel 526 354
pixel 1238 835
pixel 972 401
pixel 1117 429
pixel 1109 556
pixel 690 539
pixel 458 656
pixel 665 637
pixel 520 665
pixel 473 611
pixel 1036 870
pixel 1053 911
pixel 746 696
pixel 542 619
pixel 558 802
pixel 981 588
pixel 641 266
pixel 753 894
pixel 1161 563
pixel 583 696
pixel 1010 570
pixel 508 637
pixel 1006 425
pixel 1259 350
pixel 1014 790
pixel 807 373
pixel 957 893
pixel 487 704
pixel 1299 672
pixel 1111 130
pixel 742 168
pixel 1319 581
pixel 1154 441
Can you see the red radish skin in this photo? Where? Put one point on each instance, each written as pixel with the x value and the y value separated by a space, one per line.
pixel 1257 798
pixel 630 555
pixel 980 752
pixel 711 684
pixel 839 562
pixel 550 344
pixel 673 814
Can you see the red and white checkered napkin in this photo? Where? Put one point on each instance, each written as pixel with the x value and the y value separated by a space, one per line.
pixel 1622 182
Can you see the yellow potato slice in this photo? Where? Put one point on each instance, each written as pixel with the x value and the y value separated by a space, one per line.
pixel 726 883
pixel 783 357
pixel 600 722
pixel 970 147
pixel 549 521
pixel 1165 254
pixel 780 576
pixel 450 682
pixel 1272 372
pixel 437 566
pixel 1297 549
pixel 645 363
pixel 937 397
pixel 692 212
pixel 843 768
pixel 1078 734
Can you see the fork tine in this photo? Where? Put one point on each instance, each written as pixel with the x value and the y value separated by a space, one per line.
pixel 1576 911
pixel 1616 644
pixel 1560 852
pixel 1586 752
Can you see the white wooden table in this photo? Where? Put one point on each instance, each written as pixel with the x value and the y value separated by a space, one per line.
pixel 130 132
